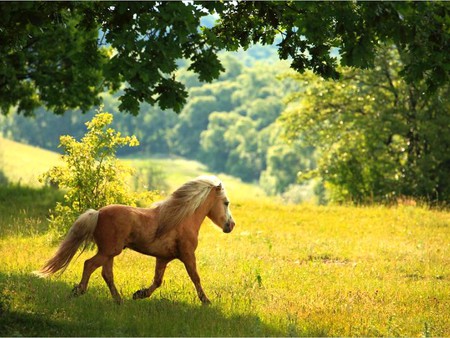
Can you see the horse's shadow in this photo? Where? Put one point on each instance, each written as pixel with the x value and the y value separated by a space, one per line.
pixel 30 306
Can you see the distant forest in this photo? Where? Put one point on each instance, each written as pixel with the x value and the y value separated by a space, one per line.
pixel 230 124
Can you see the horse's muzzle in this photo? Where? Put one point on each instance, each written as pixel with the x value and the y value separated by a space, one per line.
pixel 228 227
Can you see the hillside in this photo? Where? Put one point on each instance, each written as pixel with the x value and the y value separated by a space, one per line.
pixel 23 163
pixel 175 171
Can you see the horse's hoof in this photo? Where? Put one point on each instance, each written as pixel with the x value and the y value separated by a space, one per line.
pixel 77 291
pixel 140 294
pixel 206 302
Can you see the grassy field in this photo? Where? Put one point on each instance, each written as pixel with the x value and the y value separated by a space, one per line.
pixel 284 271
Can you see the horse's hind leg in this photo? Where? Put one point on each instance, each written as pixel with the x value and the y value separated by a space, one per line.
pixel 160 268
pixel 90 266
pixel 107 274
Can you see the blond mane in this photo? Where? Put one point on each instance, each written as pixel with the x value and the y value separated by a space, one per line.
pixel 184 201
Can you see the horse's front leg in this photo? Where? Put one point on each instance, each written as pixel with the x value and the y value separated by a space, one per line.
pixel 191 267
pixel 160 268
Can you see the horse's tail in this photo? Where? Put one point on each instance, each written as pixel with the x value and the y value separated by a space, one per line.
pixel 80 232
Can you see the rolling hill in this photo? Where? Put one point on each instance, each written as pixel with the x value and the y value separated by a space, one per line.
pixel 24 163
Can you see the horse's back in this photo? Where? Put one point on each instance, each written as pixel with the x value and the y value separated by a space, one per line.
pixel 118 225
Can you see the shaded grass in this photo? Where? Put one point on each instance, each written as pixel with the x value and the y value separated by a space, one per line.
pixel 24 210
pixel 285 270
pixel 98 316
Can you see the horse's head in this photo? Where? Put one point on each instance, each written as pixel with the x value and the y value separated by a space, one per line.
pixel 220 212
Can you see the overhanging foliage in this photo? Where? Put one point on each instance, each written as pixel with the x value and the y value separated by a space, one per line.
pixel 63 54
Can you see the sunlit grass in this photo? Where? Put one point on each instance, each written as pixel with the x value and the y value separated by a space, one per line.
pixel 285 270
pixel 23 163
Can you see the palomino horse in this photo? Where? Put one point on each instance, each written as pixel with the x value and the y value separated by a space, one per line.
pixel 167 230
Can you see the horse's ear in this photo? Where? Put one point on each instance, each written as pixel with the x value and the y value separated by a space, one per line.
pixel 219 187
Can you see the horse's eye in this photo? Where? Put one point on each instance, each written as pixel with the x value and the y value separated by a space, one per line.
pixel 227 203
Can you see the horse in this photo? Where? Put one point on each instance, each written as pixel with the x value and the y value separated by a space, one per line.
pixel 166 230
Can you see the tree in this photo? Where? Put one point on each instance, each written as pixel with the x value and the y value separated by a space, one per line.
pixel 264 111
pixel 63 54
pixel 100 45
pixel 45 59
pixel 377 136
pixel 252 102
pixel 91 176
pixel 309 32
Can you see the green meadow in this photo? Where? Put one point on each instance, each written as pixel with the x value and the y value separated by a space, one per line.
pixel 286 270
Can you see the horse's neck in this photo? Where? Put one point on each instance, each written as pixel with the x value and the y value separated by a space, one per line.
pixel 200 214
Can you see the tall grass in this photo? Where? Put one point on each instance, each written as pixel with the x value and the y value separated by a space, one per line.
pixel 285 270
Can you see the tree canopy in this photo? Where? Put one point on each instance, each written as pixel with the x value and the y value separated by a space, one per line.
pixel 62 55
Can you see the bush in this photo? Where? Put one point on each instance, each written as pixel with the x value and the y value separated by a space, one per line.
pixel 91 176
